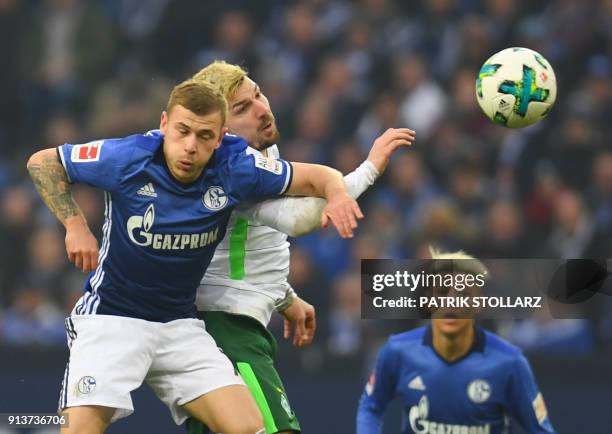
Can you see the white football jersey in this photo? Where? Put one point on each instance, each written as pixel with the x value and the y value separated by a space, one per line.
pixel 248 272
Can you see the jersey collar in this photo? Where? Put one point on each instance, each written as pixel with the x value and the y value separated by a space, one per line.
pixel 477 346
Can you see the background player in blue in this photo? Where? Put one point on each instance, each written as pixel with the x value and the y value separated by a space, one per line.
pixel 453 377
pixel 169 194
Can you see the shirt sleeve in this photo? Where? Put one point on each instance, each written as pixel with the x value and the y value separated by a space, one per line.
pixel 98 163
pixel 379 391
pixel 297 216
pixel 526 403
pixel 256 177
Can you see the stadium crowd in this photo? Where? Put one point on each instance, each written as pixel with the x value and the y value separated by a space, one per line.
pixel 337 73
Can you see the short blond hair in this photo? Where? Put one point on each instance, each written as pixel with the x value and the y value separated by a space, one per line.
pixel 199 97
pixel 439 254
pixel 457 261
pixel 225 77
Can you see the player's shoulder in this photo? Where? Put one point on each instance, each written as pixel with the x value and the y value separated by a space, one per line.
pixel 231 146
pixel 501 348
pixel 147 142
pixel 410 337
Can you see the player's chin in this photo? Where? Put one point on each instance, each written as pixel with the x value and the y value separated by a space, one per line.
pixel 269 138
pixel 450 323
pixel 186 174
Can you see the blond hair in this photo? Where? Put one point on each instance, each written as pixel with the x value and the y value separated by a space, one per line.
pixel 459 261
pixel 199 97
pixel 225 77
pixel 438 254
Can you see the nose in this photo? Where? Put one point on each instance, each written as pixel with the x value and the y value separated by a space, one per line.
pixel 190 144
pixel 260 108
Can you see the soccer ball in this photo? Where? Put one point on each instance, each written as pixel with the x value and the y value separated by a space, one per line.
pixel 516 87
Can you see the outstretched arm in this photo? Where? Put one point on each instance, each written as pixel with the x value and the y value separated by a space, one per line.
pixel 299 216
pixel 321 181
pixel 51 181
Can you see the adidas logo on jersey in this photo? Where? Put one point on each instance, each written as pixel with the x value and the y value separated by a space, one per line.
pixel 147 190
pixel 416 383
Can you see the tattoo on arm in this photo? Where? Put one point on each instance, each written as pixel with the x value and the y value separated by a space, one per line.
pixel 52 184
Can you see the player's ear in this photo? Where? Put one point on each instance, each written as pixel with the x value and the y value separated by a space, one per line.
pixel 223 131
pixel 163 122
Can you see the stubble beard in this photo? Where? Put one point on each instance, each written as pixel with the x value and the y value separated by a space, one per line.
pixel 265 143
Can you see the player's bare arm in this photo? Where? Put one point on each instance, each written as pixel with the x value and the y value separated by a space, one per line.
pixel 301 317
pixel 299 216
pixel 317 180
pixel 51 181
pixel 387 143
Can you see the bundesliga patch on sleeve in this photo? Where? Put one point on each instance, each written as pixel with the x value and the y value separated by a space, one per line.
pixel 540 408
pixel 87 152
pixel 269 164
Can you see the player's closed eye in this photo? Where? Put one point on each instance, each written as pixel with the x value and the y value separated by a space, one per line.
pixel 240 109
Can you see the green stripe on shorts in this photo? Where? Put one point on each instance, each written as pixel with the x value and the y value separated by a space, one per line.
pixel 253 384
pixel 237 249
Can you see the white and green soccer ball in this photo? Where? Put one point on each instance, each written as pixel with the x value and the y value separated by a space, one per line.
pixel 516 87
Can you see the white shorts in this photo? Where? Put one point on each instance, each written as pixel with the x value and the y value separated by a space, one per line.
pixel 110 356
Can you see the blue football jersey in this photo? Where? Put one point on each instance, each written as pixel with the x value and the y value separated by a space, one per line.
pixel 159 235
pixel 476 394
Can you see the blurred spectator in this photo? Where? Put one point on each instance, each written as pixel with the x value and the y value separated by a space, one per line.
pixel 423 102
pixel 131 101
pixel 32 319
pixel 576 144
pixel 45 262
pixel 411 190
pixel 314 132
pixel 600 193
pixel 470 192
pixel 503 234
pixel 68 46
pixel 477 40
pixel 384 230
pixel 361 57
pixel 438 35
pixel 330 254
pixel 334 85
pixel 345 316
pixel 347 157
pixel 383 114
pixel 15 228
pixel 11 16
pixel 307 281
pixel 292 42
pixel 539 205
pixel 61 128
pixel 502 18
pixel 439 224
pixel 232 41
pixel 575 234
pixel 465 107
pixel 553 337
pixel 184 27
pixel 137 22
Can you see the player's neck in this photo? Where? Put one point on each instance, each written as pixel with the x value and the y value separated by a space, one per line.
pixel 451 348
